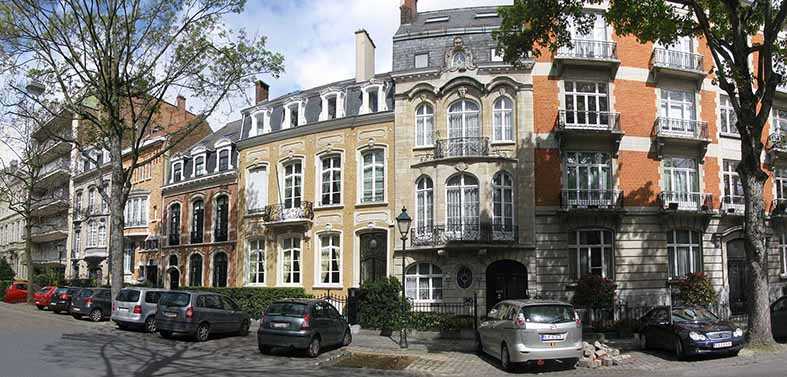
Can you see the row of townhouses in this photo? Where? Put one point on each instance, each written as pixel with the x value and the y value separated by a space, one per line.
pixel 612 158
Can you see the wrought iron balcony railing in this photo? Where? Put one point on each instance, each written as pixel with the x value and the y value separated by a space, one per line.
pixel 588 120
pixel 589 49
pixel 591 199
pixel 681 128
pixel 778 207
pixel 685 201
pixel 732 205
pixel 672 59
pixel 461 147
pixel 279 213
pixel 484 233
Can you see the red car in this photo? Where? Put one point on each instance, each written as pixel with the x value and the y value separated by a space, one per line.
pixel 43 297
pixel 16 292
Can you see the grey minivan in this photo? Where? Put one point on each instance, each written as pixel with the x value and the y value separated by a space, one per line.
pixel 302 324
pixel 199 314
pixel 136 307
pixel 521 331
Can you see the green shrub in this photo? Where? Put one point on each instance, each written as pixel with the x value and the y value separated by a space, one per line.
pixel 80 283
pixel 379 304
pixel 430 321
pixel 254 300
pixel 594 291
pixel 696 289
pixel 6 272
pixel 3 285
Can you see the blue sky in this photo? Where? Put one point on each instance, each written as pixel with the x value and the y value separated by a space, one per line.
pixel 318 41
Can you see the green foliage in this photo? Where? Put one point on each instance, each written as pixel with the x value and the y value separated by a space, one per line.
pixel 379 304
pixel 254 300
pixel 3 285
pixel 696 289
pixel 81 283
pixel 594 291
pixel 6 272
pixel 430 321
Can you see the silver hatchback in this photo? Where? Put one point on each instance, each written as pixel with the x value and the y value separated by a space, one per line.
pixel 136 307
pixel 521 331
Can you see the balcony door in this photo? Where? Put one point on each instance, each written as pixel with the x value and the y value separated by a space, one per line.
pixel 678 108
pixel 293 183
pixel 464 129
pixel 591 44
pixel 681 183
pixel 462 207
pixel 587 104
pixel 588 179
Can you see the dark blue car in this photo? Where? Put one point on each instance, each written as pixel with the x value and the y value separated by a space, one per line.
pixel 689 331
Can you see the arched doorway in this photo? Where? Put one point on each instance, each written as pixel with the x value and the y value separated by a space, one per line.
pixel 505 279
pixel 737 275
pixel 374 256
pixel 220 270
pixel 174 278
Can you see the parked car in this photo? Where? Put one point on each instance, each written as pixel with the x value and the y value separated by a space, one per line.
pixel 779 318
pixel 199 314
pixel 43 297
pixel 63 299
pixel 17 292
pixel 96 303
pixel 136 307
pixel 524 331
pixel 302 324
pixel 689 330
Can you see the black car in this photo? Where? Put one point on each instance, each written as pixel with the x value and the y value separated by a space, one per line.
pixel 62 302
pixel 689 331
pixel 199 314
pixel 302 324
pixel 96 303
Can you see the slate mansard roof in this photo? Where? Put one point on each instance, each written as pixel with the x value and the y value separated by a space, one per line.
pixel 448 19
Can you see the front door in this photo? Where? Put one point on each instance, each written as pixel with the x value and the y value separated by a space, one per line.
pixel 737 275
pixel 174 278
pixel 505 279
pixel 374 256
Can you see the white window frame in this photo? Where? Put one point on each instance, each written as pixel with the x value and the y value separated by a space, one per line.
pixel 684 195
pixel 435 273
pixel 595 111
pixel 779 120
pixel 194 166
pixel 680 113
pixel 503 196
pixel 373 168
pixel 256 263
pixel 503 120
pixel 222 146
pixel 424 205
pixel 373 89
pixel 283 254
pixel 102 233
pixel 289 193
pixel 299 109
pixel 462 115
pixel 136 207
pixel 128 268
pixel 91 200
pixel 467 221
pixel 494 56
pixel 730 180
pixel 335 176
pixel 180 175
pixel 325 101
pixel 727 117
pixel 92 234
pixel 577 248
pixel 780 183
pixel 262 193
pixel 672 256
pixel 584 191
pixel 331 247
pixel 424 125
pixel 257 127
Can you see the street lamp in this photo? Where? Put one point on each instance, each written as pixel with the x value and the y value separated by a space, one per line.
pixel 403 222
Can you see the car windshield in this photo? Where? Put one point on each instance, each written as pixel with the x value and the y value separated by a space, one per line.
pixel 60 291
pixel 693 315
pixel 128 295
pixel 548 313
pixel 177 299
pixel 85 292
pixel 44 290
pixel 287 309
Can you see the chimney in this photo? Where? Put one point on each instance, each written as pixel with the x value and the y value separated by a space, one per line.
pixel 407 11
pixel 181 104
pixel 260 92
pixel 364 56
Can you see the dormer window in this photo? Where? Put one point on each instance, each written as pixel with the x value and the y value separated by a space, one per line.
pixel 373 98
pixel 294 114
pixel 332 105
pixel 223 150
pixel 260 122
pixel 177 171
pixel 224 160
pixel 199 166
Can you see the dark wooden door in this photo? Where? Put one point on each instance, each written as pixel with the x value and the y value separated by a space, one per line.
pixel 505 279
pixel 737 275
pixel 374 256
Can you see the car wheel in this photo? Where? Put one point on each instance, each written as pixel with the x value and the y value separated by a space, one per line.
pixel 244 328
pixel 505 358
pixel 203 332
pixel 643 341
pixel 56 311
pixel 96 315
pixel 264 349
pixel 314 347
pixel 165 334
pixel 150 324
pixel 40 307
pixel 680 353
pixel 347 338
pixel 76 316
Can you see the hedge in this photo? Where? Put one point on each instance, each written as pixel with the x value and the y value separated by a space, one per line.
pixel 3 285
pixel 254 300
pixel 430 321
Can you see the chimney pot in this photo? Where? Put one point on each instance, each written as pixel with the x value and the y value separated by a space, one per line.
pixel 181 103
pixel 260 92
pixel 364 56
pixel 407 11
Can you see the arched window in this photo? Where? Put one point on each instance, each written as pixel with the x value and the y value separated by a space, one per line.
pixel 593 252
pixel 463 120
pixel 424 207
pixel 424 125
pixel 197 220
pixel 174 224
pixel 373 167
pixel 502 123
pixel 195 270
pixel 423 282
pixel 503 201
pixel 462 207
pixel 684 250
pixel 222 218
pixel 220 269
pixel 293 184
pixel 91 201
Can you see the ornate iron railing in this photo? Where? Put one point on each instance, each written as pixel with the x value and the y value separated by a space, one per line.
pixel 441 234
pixel 687 61
pixel 682 128
pixel 275 213
pixel 461 147
pixel 589 49
pixel 589 198
pixel 686 201
pixel 732 204
pixel 588 120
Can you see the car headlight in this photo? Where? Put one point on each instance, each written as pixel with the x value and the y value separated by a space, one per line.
pixel 697 336
pixel 737 333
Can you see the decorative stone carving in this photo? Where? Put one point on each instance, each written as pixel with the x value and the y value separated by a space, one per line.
pixel 459 58
pixel 462 92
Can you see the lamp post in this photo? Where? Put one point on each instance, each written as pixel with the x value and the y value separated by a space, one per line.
pixel 403 222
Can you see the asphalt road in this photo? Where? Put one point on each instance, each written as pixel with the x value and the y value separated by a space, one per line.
pixel 36 343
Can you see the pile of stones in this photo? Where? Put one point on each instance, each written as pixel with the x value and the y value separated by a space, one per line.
pixel 598 354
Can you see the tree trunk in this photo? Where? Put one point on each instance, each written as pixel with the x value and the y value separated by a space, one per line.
pixel 116 220
pixel 755 233
pixel 29 258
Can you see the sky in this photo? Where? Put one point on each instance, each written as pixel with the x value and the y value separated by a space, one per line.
pixel 317 39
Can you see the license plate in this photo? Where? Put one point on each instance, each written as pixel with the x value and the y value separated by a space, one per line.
pixel 722 345
pixel 280 325
pixel 76 309
pixel 549 337
pixel 170 315
pixel 122 309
